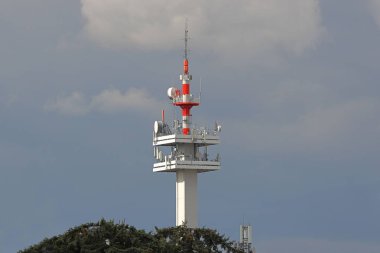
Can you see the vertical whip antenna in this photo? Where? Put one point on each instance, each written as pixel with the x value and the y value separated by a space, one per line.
pixel 200 89
pixel 186 38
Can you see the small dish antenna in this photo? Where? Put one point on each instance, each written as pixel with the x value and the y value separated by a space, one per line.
pixel 173 92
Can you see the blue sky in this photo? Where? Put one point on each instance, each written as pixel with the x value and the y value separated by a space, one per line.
pixel 295 85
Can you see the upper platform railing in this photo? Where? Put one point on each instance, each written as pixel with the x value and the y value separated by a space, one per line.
pixel 176 128
pixel 192 99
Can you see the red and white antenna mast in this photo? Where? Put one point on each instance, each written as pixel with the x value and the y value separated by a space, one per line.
pixel 189 153
pixel 186 102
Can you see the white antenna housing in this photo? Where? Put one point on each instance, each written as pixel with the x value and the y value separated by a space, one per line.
pixel 172 92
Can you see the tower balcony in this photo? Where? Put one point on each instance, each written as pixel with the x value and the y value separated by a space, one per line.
pixel 198 136
pixel 190 99
pixel 172 163
pixel 188 151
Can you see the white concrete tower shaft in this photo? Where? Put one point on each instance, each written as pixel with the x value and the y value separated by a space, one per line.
pixel 186 198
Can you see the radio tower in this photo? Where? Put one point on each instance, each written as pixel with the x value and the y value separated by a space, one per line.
pixel 185 147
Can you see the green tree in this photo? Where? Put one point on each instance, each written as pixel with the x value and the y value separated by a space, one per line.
pixel 108 237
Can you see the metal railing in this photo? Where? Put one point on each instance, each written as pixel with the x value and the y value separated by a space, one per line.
pixel 181 157
pixel 177 129
pixel 192 99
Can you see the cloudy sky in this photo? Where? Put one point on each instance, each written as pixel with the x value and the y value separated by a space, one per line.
pixel 294 83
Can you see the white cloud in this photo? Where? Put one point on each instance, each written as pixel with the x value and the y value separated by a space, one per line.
pixel 374 6
pixel 73 104
pixel 241 27
pixel 312 125
pixel 108 101
pixel 133 99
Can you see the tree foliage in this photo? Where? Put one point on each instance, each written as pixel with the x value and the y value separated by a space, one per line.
pixel 109 237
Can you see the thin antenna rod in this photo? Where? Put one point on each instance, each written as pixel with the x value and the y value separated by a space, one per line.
pixel 186 38
pixel 200 89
